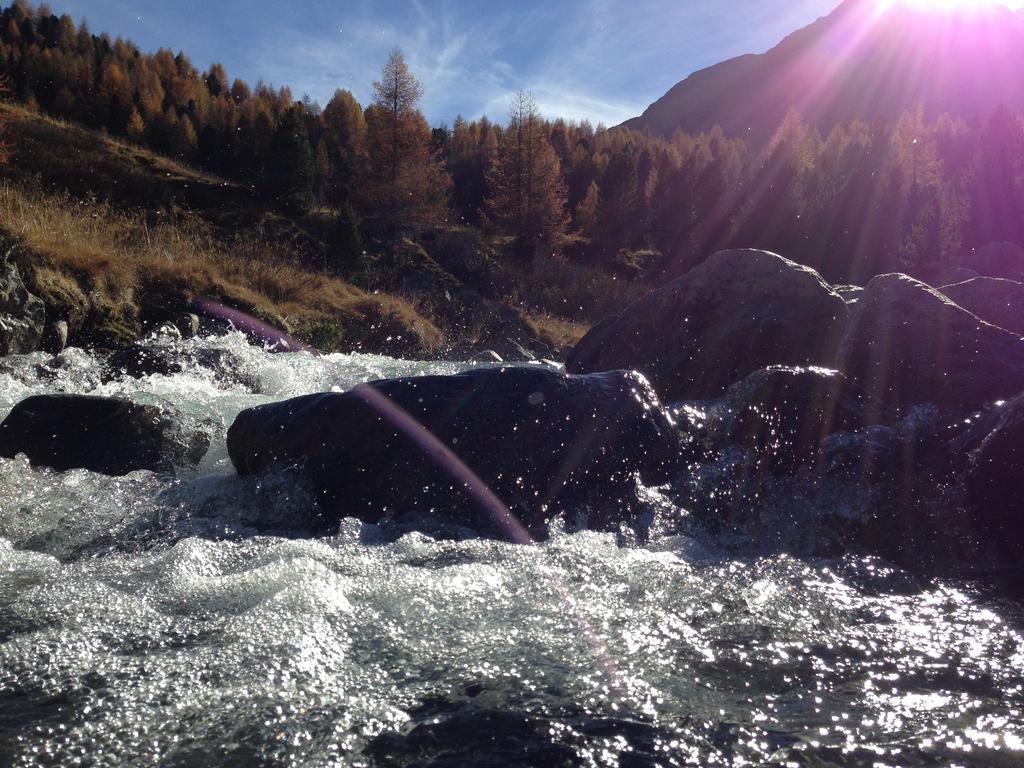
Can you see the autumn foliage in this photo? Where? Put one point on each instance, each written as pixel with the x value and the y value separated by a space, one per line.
pixel 912 194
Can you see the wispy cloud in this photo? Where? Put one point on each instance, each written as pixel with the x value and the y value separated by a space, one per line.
pixel 602 60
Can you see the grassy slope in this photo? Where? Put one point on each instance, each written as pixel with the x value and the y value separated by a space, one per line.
pixel 112 235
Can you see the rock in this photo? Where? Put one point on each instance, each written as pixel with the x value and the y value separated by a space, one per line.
pixel 487 356
pixel 850 293
pixel 995 300
pixel 22 315
pixel 168 331
pixel 55 338
pixel 907 344
pixel 738 312
pixel 783 413
pixel 536 437
pixel 187 324
pixel 961 274
pixel 1003 259
pixel 138 361
pixel 512 351
pixel 995 481
pixel 101 434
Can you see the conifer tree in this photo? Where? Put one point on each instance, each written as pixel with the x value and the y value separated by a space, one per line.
pixel 527 197
pixel 407 187
pixel 345 145
pixel 289 181
pixel 136 128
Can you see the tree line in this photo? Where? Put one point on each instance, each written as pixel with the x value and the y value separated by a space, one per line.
pixel 911 194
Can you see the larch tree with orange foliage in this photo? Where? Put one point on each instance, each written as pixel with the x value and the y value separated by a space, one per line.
pixel 407 186
pixel 527 197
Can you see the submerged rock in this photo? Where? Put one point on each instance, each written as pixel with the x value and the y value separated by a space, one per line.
pixel 736 313
pixel 101 434
pixel 535 436
pixel 995 481
pixel 136 362
pixel 995 300
pixel 783 413
pixel 907 344
pixel 22 315
pixel 139 361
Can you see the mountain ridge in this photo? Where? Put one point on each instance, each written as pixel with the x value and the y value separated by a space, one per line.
pixel 857 62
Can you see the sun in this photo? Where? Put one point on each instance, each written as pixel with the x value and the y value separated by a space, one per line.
pixel 940 5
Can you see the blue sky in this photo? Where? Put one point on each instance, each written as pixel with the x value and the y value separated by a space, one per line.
pixel 604 60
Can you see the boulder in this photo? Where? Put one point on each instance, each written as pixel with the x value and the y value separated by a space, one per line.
pixel 1003 259
pixel 22 315
pixel 138 361
pixel 535 436
pixel 960 275
pixel 783 413
pixel 995 300
pixel 101 434
pixel 55 337
pixel 995 481
pixel 850 293
pixel 187 324
pixel 907 344
pixel 736 313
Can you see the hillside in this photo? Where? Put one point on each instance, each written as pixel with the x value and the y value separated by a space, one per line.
pixel 857 63
pixel 117 239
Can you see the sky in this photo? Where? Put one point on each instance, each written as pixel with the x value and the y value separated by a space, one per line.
pixel 601 60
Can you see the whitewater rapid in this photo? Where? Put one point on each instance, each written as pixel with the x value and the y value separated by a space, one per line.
pixel 154 621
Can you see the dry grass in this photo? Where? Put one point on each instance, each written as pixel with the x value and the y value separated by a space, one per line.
pixel 557 331
pixel 120 258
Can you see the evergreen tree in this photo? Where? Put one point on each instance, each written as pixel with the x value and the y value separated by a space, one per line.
pixel 345 146
pixel 289 179
pixel 527 193
pixel 136 128
pixel 407 187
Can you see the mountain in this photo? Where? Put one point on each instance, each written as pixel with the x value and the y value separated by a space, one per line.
pixel 863 61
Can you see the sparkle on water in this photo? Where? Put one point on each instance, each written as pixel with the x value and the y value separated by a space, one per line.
pixel 145 623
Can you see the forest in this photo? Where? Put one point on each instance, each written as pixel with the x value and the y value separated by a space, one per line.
pixel 913 193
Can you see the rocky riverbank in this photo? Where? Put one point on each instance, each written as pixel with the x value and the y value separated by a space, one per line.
pixel 797 417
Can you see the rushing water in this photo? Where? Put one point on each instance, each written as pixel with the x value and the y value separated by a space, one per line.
pixel 146 620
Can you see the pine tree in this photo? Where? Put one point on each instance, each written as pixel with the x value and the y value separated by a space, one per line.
pixel 527 192
pixel 407 187
pixel 586 211
pixel 136 128
pixel 289 181
pixel 345 144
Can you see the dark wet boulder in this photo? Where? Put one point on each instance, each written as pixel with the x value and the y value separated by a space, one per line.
pixel 736 313
pixel 55 337
pixel 907 344
pixel 783 413
pixel 139 361
pixel 537 437
pixel 995 480
pixel 995 300
pixel 101 434
pixel 22 315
